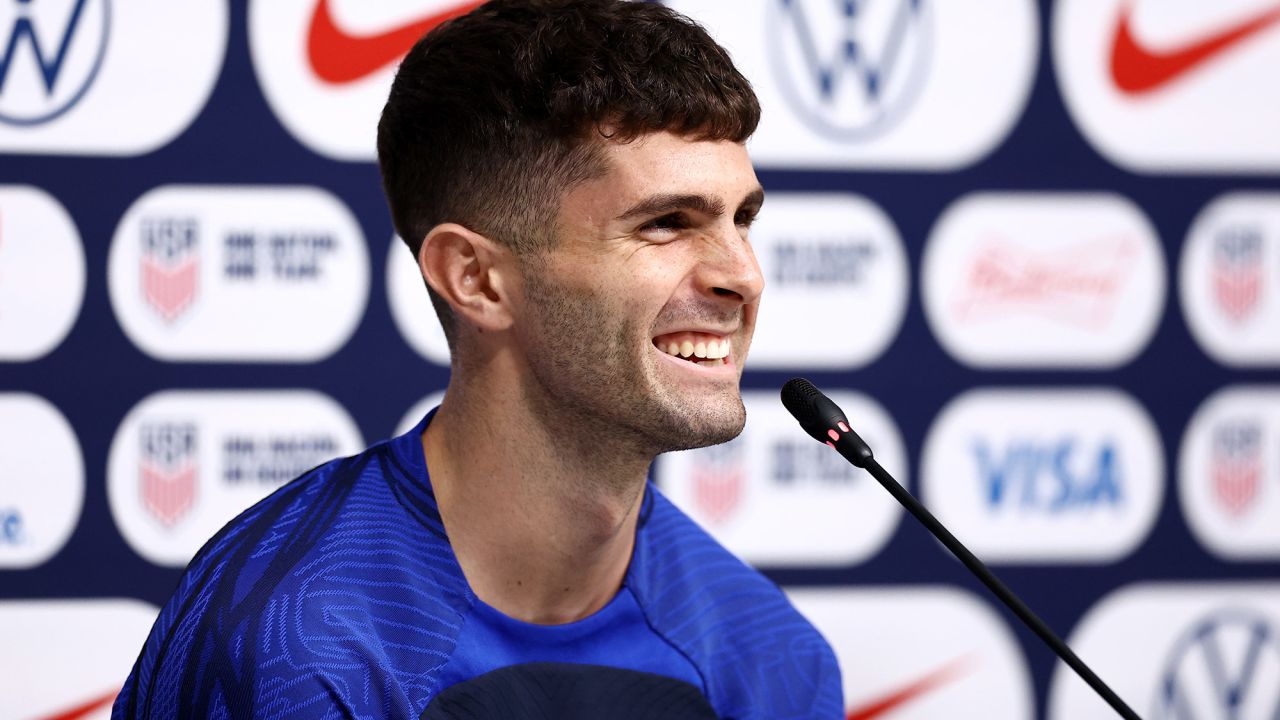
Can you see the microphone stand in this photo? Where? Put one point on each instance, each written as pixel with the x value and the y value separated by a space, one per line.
pixel 993 583
pixel 824 420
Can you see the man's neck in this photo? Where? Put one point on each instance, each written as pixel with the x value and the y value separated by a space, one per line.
pixel 542 523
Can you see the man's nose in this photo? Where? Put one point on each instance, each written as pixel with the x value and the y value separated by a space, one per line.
pixel 729 268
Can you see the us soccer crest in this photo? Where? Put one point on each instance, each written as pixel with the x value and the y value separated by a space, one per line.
pixel 718 476
pixel 1237 271
pixel 168 470
pixel 170 265
pixel 1236 465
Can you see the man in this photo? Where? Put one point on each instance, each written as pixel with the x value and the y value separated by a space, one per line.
pixel 571 176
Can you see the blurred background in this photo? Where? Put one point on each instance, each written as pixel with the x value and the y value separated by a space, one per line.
pixel 1032 248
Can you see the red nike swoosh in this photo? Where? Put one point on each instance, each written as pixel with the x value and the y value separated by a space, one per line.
pixel 80 711
pixel 338 58
pixel 1138 70
pixel 878 707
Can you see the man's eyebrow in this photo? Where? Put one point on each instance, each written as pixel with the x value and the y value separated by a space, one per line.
pixel 668 202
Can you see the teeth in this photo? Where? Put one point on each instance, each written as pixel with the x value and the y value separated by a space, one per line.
pixel 712 363
pixel 708 349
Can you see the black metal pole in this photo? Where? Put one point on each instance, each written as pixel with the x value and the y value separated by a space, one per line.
pixel 1012 601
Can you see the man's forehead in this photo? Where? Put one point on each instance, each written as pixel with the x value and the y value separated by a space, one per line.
pixel 667 163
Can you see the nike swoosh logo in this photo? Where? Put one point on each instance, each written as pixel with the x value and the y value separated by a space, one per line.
pixel 339 58
pixel 84 710
pixel 1138 70
pixel 879 707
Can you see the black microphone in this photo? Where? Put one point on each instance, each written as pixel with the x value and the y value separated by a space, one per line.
pixel 826 423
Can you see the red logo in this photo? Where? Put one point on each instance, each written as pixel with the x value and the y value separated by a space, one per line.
pixel 1137 69
pixel 1078 285
pixel 885 704
pixel 168 495
pixel 1237 271
pixel 1236 465
pixel 167 470
pixel 718 479
pixel 83 710
pixel 338 58
pixel 170 264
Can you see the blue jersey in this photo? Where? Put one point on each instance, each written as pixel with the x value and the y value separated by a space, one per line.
pixel 339 596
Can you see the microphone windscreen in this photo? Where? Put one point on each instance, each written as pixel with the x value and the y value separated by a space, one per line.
pixel 798 397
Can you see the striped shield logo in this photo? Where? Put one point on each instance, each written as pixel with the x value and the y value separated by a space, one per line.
pixel 1237 465
pixel 168 470
pixel 170 265
pixel 1237 271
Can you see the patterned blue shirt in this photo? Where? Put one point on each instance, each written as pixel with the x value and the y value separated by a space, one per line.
pixel 339 596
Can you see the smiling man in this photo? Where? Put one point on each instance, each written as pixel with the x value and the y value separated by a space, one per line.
pixel 572 179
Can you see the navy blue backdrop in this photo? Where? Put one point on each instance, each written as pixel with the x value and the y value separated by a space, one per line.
pixel 97 374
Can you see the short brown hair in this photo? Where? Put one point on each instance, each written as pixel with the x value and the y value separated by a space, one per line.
pixel 494 115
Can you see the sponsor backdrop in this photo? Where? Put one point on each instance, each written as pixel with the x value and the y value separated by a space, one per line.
pixel 1032 247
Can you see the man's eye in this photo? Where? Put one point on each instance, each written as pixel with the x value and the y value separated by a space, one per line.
pixel 745 218
pixel 674 221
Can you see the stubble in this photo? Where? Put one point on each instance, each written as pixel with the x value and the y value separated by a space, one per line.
pixel 592 371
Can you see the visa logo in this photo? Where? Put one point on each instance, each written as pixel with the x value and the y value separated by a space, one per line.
pixel 1056 477
pixel 10 526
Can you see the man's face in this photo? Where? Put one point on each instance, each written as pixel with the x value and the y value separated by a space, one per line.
pixel 652 264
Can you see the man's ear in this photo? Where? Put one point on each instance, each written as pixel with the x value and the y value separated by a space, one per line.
pixel 469 271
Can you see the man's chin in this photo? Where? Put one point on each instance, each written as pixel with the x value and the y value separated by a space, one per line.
pixel 698 430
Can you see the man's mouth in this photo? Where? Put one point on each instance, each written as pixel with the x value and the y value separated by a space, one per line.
pixel 696 347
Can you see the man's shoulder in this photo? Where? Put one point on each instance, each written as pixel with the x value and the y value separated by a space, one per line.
pixel 361 500
pixel 338 582
pixel 758 655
